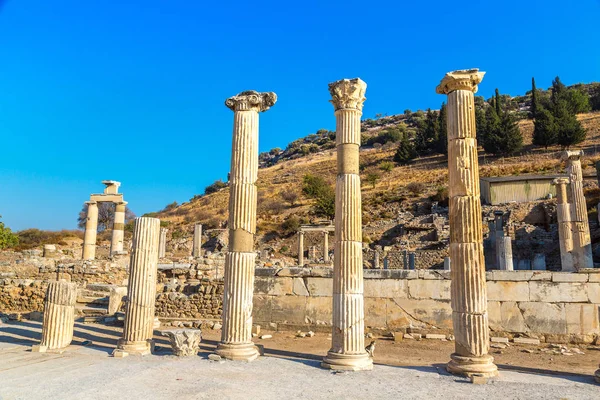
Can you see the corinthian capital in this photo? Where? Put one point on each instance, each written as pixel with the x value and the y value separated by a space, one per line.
pixel 464 79
pixel 348 93
pixel 251 100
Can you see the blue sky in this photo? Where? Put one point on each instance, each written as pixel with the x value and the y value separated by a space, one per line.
pixel 133 90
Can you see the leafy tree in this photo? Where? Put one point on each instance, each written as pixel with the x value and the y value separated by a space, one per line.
pixel 568 130
pixel 534 101
pixel 215 187
pixel 106 216
pixel 7 237
pixel 316 188
pixel 405 152
pixel 389 135
pixel 442 137
pixel 544 131
pixel 372 178
pixel 386 166
pixel 575 100
pixel 480 119
pixel 595 101
pixel 427 132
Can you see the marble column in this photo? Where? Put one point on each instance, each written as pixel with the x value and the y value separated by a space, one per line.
pixel 326 246
pixel 565 233
pixel 348 344
pixel 236 339
pixel 91 229
pixel 300 249
pixel 468 288
pixel 141 289
pixel 376 259
pixel 162 242
pixel 59 317
pixel 582 245
pixel 197 249
pixel 118 233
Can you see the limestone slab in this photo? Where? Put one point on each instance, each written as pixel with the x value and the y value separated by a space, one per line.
pixel 582 318
pixel 511 275
pixel 380 288
pixel 544 317
pixel 555 292
pixel 508 291
pixel 319 286
pixel 299 287
pixel 429 289
pixel 569 277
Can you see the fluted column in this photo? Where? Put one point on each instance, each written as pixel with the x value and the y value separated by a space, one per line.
pixel 141 289
pixel 118 233
pixel 301 249
pixel 197 248
pixel 59 317
pixel 91 229
pixel 348 344
pixel 162 242
pixel 565 233
pixel 468 288
pixel 582 245
pixel 326 246
pixel 236 343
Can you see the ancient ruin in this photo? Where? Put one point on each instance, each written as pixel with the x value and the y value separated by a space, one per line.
pixel 110 195
pixel 184 342
pixel 347 344
pixel 197 244
pixel 469 295
pixel 324 229
pixel 59 317
pixel 565 232
pixel 236 340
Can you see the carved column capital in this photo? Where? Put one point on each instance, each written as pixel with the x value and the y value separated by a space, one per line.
pixel 571 155
pixel 464 79
pixel 348 94
pixel 251 100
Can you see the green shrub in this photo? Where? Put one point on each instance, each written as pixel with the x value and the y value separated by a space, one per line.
pixel 290 225
pixel 215 187
pixel 386 166
pixel 7 237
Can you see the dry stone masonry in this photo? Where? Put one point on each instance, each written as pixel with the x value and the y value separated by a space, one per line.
pixel 469 297
pixel 236 340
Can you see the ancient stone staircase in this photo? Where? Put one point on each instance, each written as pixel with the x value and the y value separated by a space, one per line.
pixel 92 302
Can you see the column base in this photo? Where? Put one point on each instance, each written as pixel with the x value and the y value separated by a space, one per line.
pixel 347 362
pixel 238 352
pixel 470 365
pixel 142 348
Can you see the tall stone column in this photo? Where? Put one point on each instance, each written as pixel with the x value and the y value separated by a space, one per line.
pixel 300 249
pixel 59 316
pixel 91 229
pixel 582 245
pixel 141 289
pixel 118 233
pixel 236 343
pixel 468 289
pixel 326 246
pixel 162 242
pixel 565 233
pixel 348 344
pixel 197 249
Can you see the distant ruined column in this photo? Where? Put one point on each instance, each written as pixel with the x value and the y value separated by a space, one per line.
pixel 376 259
pixel 326 246
pixel 565 233
pixel 118 233
pixel 468 288
pixel 300 249
pixel 504 257
pixel 582 245
pixel 59 317
pixel 197 249
pixel 91 229
pixel 236 343
pixel 141 289
pixel 162 243
pixel 348 345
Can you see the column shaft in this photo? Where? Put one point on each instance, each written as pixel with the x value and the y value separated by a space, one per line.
pixel 326 246
pixel 162 243
pixel 197 247
pixel 118 233
pixel 504 252
pixel 141 290
pixel 468 288
pixel 565 233
pixel 59 316
pixel 300 249
pixel 91 229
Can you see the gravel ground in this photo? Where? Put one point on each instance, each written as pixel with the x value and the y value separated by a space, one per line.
pixel 88 372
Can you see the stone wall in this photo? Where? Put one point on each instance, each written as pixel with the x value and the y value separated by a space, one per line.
pixel 556 306
pixel 202 300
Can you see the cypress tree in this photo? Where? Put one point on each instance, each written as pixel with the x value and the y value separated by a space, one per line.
pixel 568 129
pixel 534 104
pixel 442 139
pixel 491 136
pixel 544 128
pixel 405 152
pixel 511 138
pixel 427 132
pixel 497 102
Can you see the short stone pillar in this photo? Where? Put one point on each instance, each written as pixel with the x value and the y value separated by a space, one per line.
pixel 91 229
pixel 386 263
pixel 326 246
pixel 49 251
pixel 197 245
pixel 504 254
pixel 118 233
pixel 162 243
pixel 565 234
pixel 447 264
pixel 348 334
pixel 115 299
pixel 468 288
pixel 539 262
pixel 411 261
pixel 376 259
pixel 141 289
pixel 582 245
pixel 184 342
pixel 236 339
pixel 301 249
pixel 59 317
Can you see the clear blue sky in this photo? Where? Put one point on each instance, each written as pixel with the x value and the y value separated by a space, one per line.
pixel 133 90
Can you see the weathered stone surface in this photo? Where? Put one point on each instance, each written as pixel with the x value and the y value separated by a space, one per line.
pixel 318 310
pixel 288 309
pixel 508 291
pixel 511 275
pixel 299 287
pixel 544 317
pixel 319 286
pixel 541 276
pixel 582 318
pixel 184 342
pixel 378 288
pixel 593 291
pixel 429 289
pixel 569 277
pixel 552 292
pixel 421 313
pixel 375 313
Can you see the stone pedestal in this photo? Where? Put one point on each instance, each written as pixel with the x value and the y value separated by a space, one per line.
pixel 184 342
pixel 300 249
pixel 118 233
pixel 197 249
pixel 49 251
pixel 582 245
pixel 141 289
pixel 59 317
pixel 162 243
pixel 565 234
pixel 236 339
pixel 348 348
pixel 326 246
pixel 91 229
pixel 468 288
